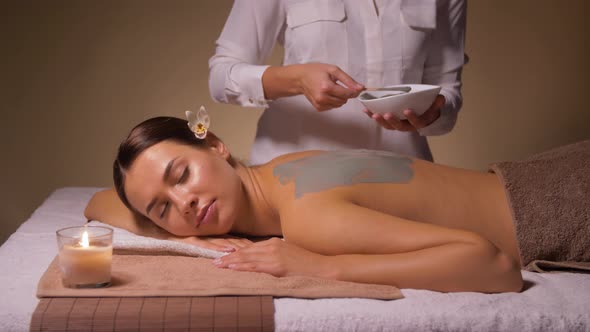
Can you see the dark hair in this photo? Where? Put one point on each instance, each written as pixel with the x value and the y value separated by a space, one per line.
pixel 143 136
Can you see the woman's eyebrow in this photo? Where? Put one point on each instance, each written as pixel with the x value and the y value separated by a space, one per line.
pixel 164 179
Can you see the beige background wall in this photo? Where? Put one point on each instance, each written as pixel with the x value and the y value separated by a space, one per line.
pixel 75 76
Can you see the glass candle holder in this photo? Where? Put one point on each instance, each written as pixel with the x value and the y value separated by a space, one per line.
pixel 85 256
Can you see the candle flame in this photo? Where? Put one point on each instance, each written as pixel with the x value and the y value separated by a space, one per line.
pixel 84 242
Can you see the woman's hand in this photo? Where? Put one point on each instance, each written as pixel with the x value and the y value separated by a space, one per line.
pixel 275 257
pixel 318 82
pixel 413 122
pixel 227 243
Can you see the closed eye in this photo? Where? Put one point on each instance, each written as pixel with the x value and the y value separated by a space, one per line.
pixel 184 176
pixel 164 210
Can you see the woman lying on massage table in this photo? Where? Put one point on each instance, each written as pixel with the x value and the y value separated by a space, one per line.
pixel 362 216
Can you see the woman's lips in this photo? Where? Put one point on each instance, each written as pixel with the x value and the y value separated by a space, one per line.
pixel 204 216
pixel 208 217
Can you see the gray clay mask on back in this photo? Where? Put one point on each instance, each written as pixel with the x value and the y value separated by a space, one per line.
pixel 343 168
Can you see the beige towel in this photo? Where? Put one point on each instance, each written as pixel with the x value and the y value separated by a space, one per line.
pixel 139 275
pixel 549 195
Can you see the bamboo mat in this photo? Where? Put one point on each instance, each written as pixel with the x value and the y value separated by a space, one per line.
pixel 219 313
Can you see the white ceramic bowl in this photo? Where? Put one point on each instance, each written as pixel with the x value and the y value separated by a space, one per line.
pixel 418 99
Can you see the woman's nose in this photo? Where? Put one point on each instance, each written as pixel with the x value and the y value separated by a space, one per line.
pixel 185 202
pixel 187 206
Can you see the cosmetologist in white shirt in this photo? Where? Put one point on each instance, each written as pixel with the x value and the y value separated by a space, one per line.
pixel 374 42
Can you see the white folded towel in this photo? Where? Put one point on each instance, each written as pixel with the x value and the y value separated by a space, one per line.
pixel 125 241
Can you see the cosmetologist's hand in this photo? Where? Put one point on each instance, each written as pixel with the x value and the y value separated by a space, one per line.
pixel 413 122
pixel 276 257
pixel 318 83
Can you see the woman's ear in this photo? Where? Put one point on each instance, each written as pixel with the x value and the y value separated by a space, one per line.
pixel 216 144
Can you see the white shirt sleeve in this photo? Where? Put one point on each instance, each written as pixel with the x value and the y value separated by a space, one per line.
pixel 444 63
pixel 247 39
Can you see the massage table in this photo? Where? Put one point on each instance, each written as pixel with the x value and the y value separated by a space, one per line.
pixel 549 302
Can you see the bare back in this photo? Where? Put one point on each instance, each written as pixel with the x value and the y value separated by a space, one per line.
pixel 395 185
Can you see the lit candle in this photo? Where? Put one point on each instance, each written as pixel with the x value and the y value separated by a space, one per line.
pixel 85 260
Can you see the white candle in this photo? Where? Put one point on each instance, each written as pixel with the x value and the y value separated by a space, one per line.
pixel 84 264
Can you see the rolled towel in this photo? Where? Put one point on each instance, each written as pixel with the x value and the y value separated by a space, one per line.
pixel 549 197
pixel 125 242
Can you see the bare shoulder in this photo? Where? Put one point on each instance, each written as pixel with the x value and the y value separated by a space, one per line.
pixel 318 171
pixel 293 156
pixel 335 174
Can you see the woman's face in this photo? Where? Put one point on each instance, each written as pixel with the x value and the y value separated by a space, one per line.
pixel 185 190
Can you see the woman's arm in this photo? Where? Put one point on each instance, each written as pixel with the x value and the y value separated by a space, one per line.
pixel 344 241
pixel 237 74
pixel 248 37
pixel 105 206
